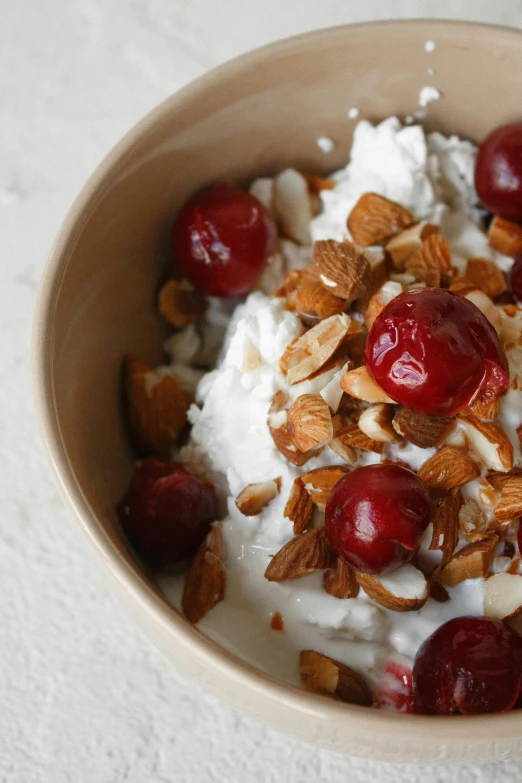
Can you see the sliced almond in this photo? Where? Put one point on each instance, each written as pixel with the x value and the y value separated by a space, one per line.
pixel 156 406
pixel 355 438
pixel 180 304
pixel 498 480
pixel 376 423
pixel 332 393
pixel 505 237
pixel 262 188
pixel 309 422
pixel 431 263
pixel 299 508
pixel 447 469
pixel 277 622
pixel 314 302
pixel 321 674
pixel 343 269
pixel 378 302
pixel 255 497
pixel 375 218
pixel 470 562
pixel 490 442
pixel 446 524
pixel 380 266
pixel 316 347
pixel 502 596
pixel 348 453
pixel 206 581
pixel 303 555
pixel 341 581
pixel 486 307
pixel 403 245
pixel 293 206
pixel 320 482
pixel 487 276
pixel 419 429
pixel 283 361
pixel 359 383
pixel 404 590
pixel 472 520
pixel 510 504
pixel 283 443
pixel 488 410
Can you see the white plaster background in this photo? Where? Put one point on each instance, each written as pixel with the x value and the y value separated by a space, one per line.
pixel 84 697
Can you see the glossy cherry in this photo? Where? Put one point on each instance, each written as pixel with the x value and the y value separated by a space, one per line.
pixel 395 689
pixel 434 352
pixel 166 512
pixel 498 172
pixel 222 238
pixel 516 276
pixel 470 665
pixel 375 517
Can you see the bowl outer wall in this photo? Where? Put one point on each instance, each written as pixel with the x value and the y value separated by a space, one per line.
pixel 252 116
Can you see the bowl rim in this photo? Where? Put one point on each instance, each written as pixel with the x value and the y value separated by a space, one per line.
pixel 450 730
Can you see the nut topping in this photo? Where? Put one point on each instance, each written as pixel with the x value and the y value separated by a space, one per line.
pixel 301 556
pixel 343 270
pixel 206 581
pixel 375 218
pixel 321 674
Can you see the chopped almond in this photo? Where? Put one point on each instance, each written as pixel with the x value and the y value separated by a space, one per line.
pixel 446 525
pixel 283 361
pixel 255 497
pixel 180 304
pixel 206 581
pixel 293 206
pixel 447 469
pixel 375 218
pixel 355 438
pixel 316 347
pixel 419 429
pixel 486 276
pixel 376 423
pixel 404 590
pixel 341 581
pixel 277 623
pixel 314 302
pixel 510 504
pixel 490 442
pixel 470 562
pixel 343 270
pixel 502 596
pixel 498 480
pixel 379 300
pixel 299 508
pixel 359 383
pixel 487 307
pixel 302 555
pixel 320 481
pixel 431 264
pixel 325 675
pixel 505 237
pixel 403 245
pixel 487 410
pixel 309 422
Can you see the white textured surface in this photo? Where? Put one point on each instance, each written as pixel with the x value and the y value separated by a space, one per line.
pixel 83 696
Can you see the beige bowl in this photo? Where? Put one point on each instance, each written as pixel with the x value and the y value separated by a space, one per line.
pixel 254 115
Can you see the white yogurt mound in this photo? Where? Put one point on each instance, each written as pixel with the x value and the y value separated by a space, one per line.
pixel 432 176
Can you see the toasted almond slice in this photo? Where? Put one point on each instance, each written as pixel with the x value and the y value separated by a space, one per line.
pixel 263 189
pixel 254 497
pixel 505 237
pixel 206 581
pixel 510 504
pixel 355 438
pixel 375 218
pixel 490 442
pixel 486 307
pixel 180 304
pixel 320 481
pixel 502 596
pixel 315 347
pixel 378 302
pixel 321 674
pixel 301 556
pixel 447 469
pixel 309 422
pixel 299 508
pixel 156 406
pixel 293 206
pixel 423 431
pixel 472 520
pixel 403 245
pixel 470 562
pixel 404 590
pixel 487 276
pixel 348 453
pixel 314 302
pixel 376 423
pixel 359 383
pixel 277 622
pixel 343 269
pixel 431 263
pixel 488 410
pixel 445 520
pixel 341 581
pixel 332 392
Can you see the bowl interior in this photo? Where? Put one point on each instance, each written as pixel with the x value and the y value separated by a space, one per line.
pixel 253 116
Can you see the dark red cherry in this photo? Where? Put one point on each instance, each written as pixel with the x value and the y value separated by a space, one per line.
pixel 498 172
pixel 222 238
pixel 470 665
pixel 166 512
pixel 516 277
pixel 434 352
pixel 375 517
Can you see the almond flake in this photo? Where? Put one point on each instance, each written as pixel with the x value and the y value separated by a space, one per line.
pixel 315 347
pixel 498 480
pixel 423 431
pixel 332 393
pixel 206 581
pixel 359 383
pixel 283 361
pixel 375 218
pixel 321 481
pixel 487 307
pixel 502 596
pixel 486 276
pixel 253 499
pixel 445 520
pixel 447 469
pixel 505 237
pixel 293 206
pixel 355 438
pixel 285 445
pixel 156 406
pixel 263 189
pixel 376 423
pixel 490 442
pixel 379 300
pixel 348 453
pixel 404 590
pixel 341 581
pixel 344 270
pixel 180 304
pixel 510 504
pixel 379 274
pixel 472 520
pixel 302 555
pixel 431 263
pixel 485 409
pixel 299 508
pixel 470 562
pixel 321 674
pixel 277 622
pixel 403 245
pixel 309 422
pixel 314 302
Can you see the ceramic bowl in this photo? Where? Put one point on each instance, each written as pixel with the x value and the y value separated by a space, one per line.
pixel 252 116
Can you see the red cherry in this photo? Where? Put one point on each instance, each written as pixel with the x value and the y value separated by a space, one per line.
pixel 434 352
pixel 222 238
pixel 375 517
pixel 498 172
pixel 166 512
pixel 395 689
pixel 516 277
pixel 470 665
